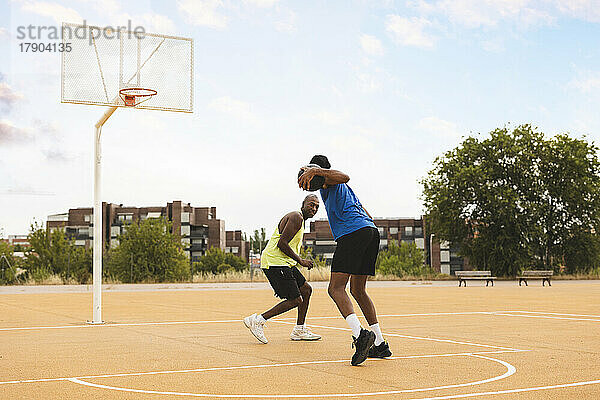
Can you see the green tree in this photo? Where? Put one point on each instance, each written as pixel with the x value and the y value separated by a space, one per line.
pixel 53 253
pixel 148 252
pixel 513 200
pixel 258 241
pixel 401 260
pixel 217 261
pixel 8 264
pixel 306 252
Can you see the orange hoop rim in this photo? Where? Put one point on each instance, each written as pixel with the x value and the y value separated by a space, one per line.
pixel 137 92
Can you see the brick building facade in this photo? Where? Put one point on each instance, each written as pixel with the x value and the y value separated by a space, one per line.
pixel 199 227
pixel 440 256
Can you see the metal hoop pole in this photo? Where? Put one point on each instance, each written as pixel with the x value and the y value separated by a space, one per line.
pixel 97 235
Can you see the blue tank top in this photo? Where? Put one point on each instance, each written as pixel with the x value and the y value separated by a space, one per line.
pixel 344 211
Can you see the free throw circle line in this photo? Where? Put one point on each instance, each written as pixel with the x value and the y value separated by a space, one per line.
pixel 509 371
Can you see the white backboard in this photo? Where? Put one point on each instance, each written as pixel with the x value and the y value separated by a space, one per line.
pixel 102 61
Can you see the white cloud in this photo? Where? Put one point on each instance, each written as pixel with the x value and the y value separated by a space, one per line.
pixel 410 31
pixel 437 126
pixel 368 82
pixel 288 24
pixel 261 3
pixel 371 45
pixel 586 82
pixel 332 118
pixel 488 13
pixel 587 10
pixel 236 108
pixel 203 13
pixel 56 11
pixel 10 134
pixel 156 22
pixel 8 96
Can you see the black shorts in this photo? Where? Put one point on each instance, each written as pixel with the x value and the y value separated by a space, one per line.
pixel 356 252
pixel 286 281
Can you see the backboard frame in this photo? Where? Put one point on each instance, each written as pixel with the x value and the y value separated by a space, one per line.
pixel 113 99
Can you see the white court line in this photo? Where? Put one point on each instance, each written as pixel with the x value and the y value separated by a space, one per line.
pixel 547 317
pixel 412 337
pixel 184 371
pixel 509 371
pixel 549 313
pixel 108 325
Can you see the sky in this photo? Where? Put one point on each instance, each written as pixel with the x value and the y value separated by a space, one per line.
pixel 380 87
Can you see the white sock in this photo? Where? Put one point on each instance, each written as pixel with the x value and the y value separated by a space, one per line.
pixel 378 335
pixel 261 319
pixel 354 323
pixel 300 327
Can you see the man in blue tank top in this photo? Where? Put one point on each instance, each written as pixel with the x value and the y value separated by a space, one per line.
pixel 354 259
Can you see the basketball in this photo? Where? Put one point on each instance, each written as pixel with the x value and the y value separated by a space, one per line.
pixel 316 182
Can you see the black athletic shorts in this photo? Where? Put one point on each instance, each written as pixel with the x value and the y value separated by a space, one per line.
pixel 356 252
pixel 286 281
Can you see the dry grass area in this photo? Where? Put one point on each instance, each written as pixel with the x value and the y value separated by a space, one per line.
pixel 317 274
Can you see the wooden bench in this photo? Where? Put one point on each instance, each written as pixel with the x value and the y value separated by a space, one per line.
pixel 464 276
pixel 536 274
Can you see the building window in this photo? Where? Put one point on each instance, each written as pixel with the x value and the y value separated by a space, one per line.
pixel 408 230
pixel 420 242
pixel 185 217
pixel 393 230
pixel 185 230
pixel 87 218
pixel 445 256
pixel 198 241
pixel 125 218
pixel 235 250
pixel 115 231
pixel 418 231
pixel 380 229
pixel 84 232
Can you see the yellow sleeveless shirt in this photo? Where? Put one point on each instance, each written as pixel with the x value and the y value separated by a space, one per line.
pixel 273 257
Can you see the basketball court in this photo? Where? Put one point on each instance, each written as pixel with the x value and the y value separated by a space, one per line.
pixel 500 342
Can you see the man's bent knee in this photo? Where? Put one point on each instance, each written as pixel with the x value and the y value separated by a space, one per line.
pixel 296 302
pixel 357 292
pixel 306 291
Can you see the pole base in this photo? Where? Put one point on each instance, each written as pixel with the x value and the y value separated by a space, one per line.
pixel 95 323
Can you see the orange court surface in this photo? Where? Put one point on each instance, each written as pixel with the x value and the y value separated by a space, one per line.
pixel 189 341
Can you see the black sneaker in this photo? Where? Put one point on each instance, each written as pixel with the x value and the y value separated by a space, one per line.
pixel 362 343
pixel 381 351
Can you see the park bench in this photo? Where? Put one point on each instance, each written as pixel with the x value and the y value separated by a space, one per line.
pixel 464 276
pixel 543 275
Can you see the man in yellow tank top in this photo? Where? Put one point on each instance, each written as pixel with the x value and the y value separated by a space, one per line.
pixel 278 261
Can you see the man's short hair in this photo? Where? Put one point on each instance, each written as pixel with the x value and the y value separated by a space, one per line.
pixel 321 161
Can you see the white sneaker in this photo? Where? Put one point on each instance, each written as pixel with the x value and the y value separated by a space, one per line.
pixel 304 334
pixel 257 329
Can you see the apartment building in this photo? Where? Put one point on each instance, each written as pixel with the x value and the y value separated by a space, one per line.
pixel 235 244
pixel 440 256
pixel 199 227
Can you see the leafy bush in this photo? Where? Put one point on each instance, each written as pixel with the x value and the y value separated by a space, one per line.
pixel 148 252
pixel 402 260
pixel 52 253
pixel 217 261
pixel 9 270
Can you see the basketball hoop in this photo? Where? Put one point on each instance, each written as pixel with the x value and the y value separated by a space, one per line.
pixel 134 96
